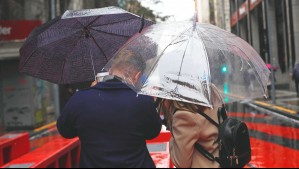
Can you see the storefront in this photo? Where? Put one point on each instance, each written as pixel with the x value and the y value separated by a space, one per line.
pixel 25 102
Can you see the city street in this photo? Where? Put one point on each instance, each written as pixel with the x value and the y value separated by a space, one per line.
pixel 195 54
pixel 274 138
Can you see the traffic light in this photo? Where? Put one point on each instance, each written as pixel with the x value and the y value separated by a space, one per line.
pixel 225 88
pixel 226 92
pixel 224 69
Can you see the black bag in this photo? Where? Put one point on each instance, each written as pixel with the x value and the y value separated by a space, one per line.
pixel 234 142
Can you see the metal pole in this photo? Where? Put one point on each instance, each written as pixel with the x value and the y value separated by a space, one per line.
pixel 291 34
pixel 53 9
pixel 270 53
pixel 55 86
pixel 223 15
pixel 249 31
pixel 237 10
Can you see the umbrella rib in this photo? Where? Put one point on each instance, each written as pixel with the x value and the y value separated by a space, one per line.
pixel 259 79
pixel 112 23
pixel 171 43
pixel 99 47
pixel 104 32
pixel 110 33
pixel 67 57
pixel 254 68
pixel 56 20
pixel 91 27
pixel 93 20
pixel 61 78
pixel 209 72
pixel 182 64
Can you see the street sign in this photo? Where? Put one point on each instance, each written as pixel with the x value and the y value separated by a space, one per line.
pixel 17 29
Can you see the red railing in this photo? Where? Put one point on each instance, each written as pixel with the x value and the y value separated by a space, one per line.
pixel 59 153
pixel 159 150
pixel 65 153
pixel 12 146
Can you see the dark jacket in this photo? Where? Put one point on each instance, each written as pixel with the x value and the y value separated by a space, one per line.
pixel 113 124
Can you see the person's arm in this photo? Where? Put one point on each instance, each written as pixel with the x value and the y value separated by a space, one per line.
pixel 153 122
pixel 93 83
pixel 185 133
pixel 66 121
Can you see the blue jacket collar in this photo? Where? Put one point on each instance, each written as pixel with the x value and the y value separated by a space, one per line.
pixel 111 85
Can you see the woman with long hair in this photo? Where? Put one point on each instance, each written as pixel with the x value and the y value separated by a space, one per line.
pixel 188 128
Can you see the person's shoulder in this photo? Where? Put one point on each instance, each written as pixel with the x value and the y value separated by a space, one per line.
pixel 185 117
pixel 184 114
pixel 145 98
pixel 79 94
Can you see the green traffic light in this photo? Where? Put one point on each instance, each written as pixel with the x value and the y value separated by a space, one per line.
pixel 224 69
pixel 226 92
pixel 225 88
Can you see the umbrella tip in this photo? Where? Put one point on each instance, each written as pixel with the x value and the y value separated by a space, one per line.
pixel 142 23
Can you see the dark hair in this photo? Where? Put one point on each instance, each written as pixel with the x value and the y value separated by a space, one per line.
pixel 129 62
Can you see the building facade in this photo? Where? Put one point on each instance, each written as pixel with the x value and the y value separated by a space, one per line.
pixel 27 102
pixel 271 27
pixel 216 12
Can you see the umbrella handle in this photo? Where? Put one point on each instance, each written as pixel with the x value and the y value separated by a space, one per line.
pixel 142 23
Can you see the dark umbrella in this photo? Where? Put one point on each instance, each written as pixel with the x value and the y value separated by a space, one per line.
pixel 75 46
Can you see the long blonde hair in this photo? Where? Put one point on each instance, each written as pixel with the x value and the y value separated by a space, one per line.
pixel 169 107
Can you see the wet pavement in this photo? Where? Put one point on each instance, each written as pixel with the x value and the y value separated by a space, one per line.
pixel 286 104
pixel 274 136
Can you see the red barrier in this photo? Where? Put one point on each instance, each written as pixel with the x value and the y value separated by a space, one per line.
pixel 59 153
pixel 12 146
pixel 159 150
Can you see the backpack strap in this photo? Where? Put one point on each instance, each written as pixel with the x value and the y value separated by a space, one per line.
pixel 206 154
pixel 222 113
pixel 210 119
pixel 199 148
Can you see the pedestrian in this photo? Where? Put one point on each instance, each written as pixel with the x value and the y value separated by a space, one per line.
pixel 272 69
pixel 188 128
pixel 269 88
pixel 249 78
pixel 295 77
pixel 112 122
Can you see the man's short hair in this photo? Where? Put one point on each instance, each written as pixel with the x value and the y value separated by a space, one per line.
pixel 128 62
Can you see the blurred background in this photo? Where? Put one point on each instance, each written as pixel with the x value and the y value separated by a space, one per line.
pixel 27 103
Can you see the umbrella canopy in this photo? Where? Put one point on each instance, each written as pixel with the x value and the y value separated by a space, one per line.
pixel 189 59
pixel 74 47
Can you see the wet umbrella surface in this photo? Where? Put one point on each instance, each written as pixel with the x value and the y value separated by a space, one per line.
pixel 74 47
pixel 186 60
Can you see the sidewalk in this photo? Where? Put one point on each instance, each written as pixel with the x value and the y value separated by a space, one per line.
pixel 287 103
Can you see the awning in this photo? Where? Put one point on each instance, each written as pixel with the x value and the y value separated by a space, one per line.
pixel 9 50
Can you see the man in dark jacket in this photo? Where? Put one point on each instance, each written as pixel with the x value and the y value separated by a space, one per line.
pixel 113 124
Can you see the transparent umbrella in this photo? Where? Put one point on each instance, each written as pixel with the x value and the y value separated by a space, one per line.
pixel 184 60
